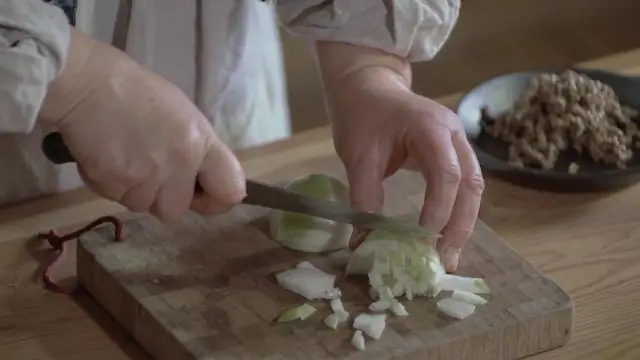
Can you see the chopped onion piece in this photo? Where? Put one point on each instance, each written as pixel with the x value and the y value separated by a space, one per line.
pixel 331 321
pixel 372 324
pixel 375 280
pixel 385 294
pixel 380 305
pixel 450 282
pixel 338 310
pixel 309 282
pixel 342 315
pixel 398 309
pixel 305 310
pixel 357 340
pixel 468 297
pixel 397 289
pixel 336 305
pixel 373 294
pixel 408 294
pixel 297 313
pixel 306 265
pixel 455 308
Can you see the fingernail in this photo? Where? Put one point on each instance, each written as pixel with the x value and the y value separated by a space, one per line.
pixel 451 258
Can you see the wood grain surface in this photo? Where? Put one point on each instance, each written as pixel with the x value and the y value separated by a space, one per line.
pixel 205 289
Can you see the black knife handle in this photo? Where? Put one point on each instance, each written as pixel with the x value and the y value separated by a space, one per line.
pixel 57 152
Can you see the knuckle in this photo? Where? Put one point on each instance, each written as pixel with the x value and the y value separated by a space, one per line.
pixel 452 174
pixel 188 143
pixel 476 183
pixel 127 178
pixel 125 173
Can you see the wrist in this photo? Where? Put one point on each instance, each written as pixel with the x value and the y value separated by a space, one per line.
pixel 344 66
pixel 90 65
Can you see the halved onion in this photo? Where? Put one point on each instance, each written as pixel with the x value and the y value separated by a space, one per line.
pixel 307 233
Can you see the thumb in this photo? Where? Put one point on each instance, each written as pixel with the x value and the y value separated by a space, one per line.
pixel 222 179
pixel 366 191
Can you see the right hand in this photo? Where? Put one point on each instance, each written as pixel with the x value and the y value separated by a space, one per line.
pixel 138 139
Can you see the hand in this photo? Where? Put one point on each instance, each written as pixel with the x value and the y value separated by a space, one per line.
pixel 137 139
pixel 380 125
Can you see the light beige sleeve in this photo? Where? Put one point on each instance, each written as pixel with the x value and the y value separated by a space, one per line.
pixel 34 39
pixel 413 29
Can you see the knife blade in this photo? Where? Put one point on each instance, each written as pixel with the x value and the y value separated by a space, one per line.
pixel 273 197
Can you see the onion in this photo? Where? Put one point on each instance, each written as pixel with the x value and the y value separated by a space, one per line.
pixel 380 305
pixel 455 308
pixel 406 265
pixel 371 324
pixel 336 305
pixel 332 321
pixel 468 297
pixel 450 282
pixel 398 309
pixel 388 301
pixel 297 313
pixel 400 264
pixel 357 340
pixel 338 310
pixel 342 316
pixel 309 282
pixel 307 233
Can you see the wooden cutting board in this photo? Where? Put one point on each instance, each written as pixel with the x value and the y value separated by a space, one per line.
pixel 205 290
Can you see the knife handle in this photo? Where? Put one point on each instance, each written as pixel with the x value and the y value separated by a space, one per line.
pixel 57 152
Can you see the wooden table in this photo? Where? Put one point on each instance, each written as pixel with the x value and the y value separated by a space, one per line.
pixel 588 244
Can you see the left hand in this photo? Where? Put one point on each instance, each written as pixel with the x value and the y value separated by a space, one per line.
pixel 380 126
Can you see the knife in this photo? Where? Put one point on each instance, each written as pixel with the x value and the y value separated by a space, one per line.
pixel 273 197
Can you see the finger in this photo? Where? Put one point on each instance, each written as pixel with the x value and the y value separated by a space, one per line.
pixel 140 197
pixel 357 238
pixel 439 164
pixel 411 164
pixel 467 204
pixel 110 190
pixel 222 179
pixel 206 205
pixel 174 196
pixel 366 190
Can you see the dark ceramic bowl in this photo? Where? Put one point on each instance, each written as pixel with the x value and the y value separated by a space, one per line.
pixel 500 93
